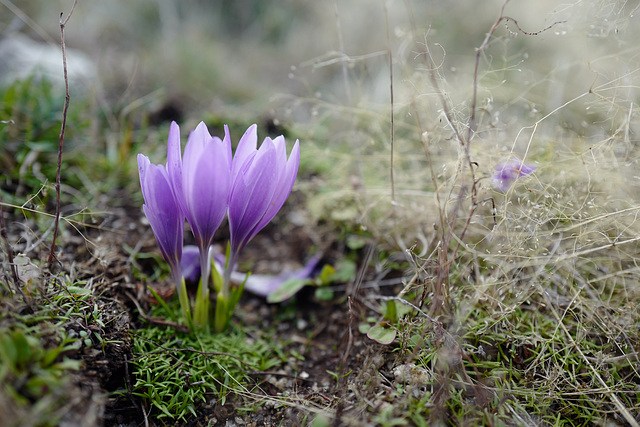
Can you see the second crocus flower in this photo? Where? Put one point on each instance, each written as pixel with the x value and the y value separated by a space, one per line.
pixel 262 181
pixel 167 222
pixel 161 209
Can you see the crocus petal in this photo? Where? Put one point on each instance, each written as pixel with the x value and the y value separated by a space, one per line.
pixel 246 149
pixel 284 187
pixel 527 169
pixel 251 196
pixel 174 163
pixel 206 181
pixel 263 285
pixel 190 263
pixel 261 185
pixel 162 210
pixel 226 142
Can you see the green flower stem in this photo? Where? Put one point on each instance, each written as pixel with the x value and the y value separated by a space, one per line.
pixel 224 304
pixel 184 304
pixel 201 311
pixel 222 314
pixel 231 263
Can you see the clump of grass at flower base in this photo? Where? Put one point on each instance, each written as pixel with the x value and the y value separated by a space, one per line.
pixel 174 374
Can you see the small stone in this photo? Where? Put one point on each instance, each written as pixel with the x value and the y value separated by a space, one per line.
pixel 411 374
pixel 302 324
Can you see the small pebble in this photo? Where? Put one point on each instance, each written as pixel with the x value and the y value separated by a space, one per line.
pixel 302 324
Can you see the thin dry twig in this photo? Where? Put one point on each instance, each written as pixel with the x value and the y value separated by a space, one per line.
pixel 392 131
pixel 506 19
pixel 3 232
pixel 155 320
pixel 52 256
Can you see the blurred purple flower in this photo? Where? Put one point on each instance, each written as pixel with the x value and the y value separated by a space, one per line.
pixel 263 285
pixel 506 173
pixel 262 180
pixel 163 212
pixel 258 284
pixel 190 263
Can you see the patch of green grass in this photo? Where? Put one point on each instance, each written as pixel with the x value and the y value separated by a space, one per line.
pixel 29 370
pixel 176 373
pixel 42 335
pixel 30 112
pixel 520 363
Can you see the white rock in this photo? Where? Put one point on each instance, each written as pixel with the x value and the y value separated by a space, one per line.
pixel 23 56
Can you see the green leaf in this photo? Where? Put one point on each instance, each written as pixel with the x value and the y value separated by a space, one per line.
pixel 236 293
pixel 185 305
pixel 78 291
pixel 288 289
pixel 221 316
pixel 382 334
pixel 326 273
pixel 201 309
pixel 216 277
pixel 8 351
pixel 50 356
pixel 320 421
pixel 391 313
pixel 162 302
pixel 364 328
pixel 345 271
pixel 355 242
pixel 24 351
pixel 324 294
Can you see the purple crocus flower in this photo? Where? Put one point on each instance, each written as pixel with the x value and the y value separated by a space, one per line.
pixel 201 179
pixel 506 173
pixel 163 212
pixel 262 180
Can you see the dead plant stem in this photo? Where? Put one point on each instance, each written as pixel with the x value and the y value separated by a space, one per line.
pixel 52 256
pixel 392 131
pixel 350 111
pixel 3 232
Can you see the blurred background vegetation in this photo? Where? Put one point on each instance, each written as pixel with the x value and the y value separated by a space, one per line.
pixel 557 86
pixel 320 68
